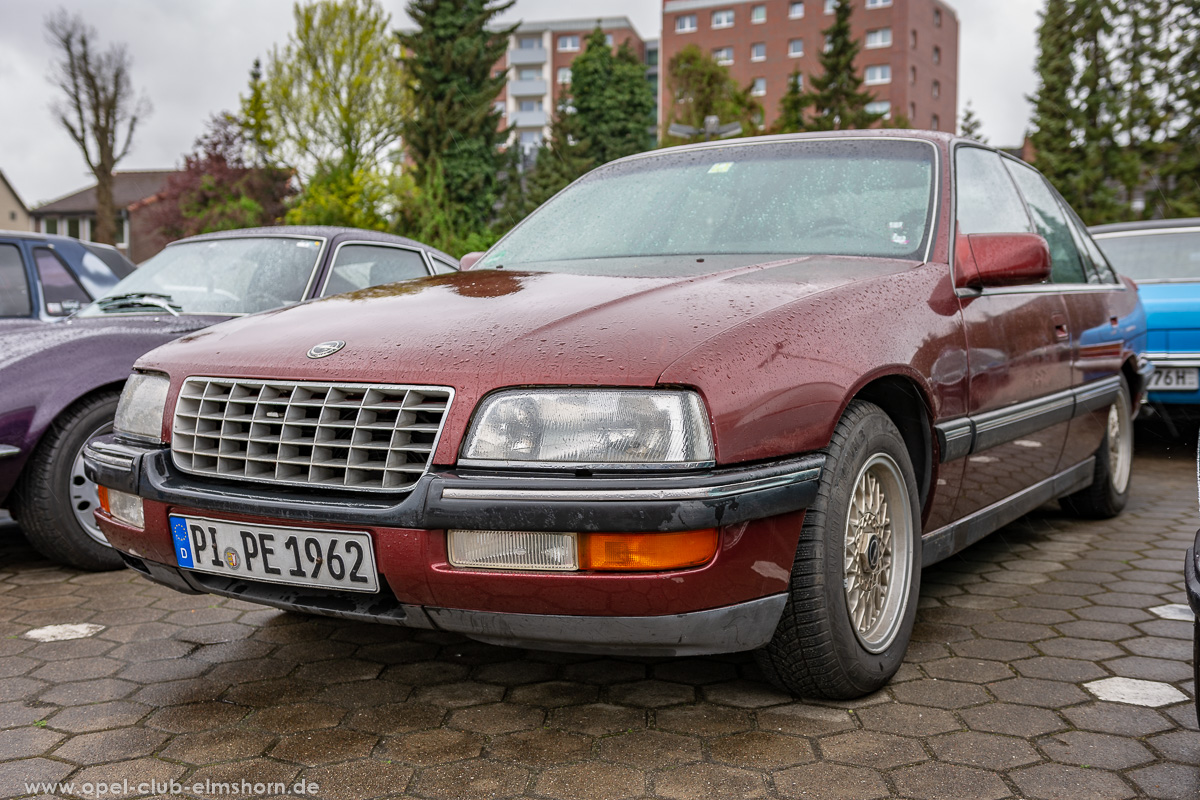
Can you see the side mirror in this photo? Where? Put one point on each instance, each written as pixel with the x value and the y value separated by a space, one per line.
pixel 1001 259
pixel 468 261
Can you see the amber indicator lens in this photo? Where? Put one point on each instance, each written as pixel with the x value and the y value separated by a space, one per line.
pixel 634 552
pixel 102 491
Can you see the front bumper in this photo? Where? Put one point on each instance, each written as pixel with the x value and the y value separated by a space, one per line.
pixel 483 500
pixel 729 629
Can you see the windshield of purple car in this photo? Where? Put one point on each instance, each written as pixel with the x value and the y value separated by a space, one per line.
pixel 1155 256
pixel 217 276
pixel 660 214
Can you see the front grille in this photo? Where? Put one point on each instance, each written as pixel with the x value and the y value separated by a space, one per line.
pixel 372 437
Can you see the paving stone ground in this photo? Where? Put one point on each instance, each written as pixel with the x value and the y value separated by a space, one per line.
pixel 992 702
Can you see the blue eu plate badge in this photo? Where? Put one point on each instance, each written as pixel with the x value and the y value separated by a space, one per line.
pixel 183 545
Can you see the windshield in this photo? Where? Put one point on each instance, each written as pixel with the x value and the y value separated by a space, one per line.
pixel 1152 257
pixel 774 199
pixel 220 276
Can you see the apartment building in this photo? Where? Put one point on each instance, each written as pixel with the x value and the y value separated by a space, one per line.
pixel 539 61
pixel 908 60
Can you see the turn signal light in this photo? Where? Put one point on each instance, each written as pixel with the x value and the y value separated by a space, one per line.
pixel 640 552
pixel 125 507
pixel 103 492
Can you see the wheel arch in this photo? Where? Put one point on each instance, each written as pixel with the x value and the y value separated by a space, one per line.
pixel 908 407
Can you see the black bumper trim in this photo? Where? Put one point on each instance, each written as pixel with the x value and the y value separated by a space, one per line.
pixel 1191 576
pixel 480 500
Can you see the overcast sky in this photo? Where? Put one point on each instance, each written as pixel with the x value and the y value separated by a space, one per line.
pixel 192 59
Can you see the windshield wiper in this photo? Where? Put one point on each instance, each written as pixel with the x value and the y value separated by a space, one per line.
pixel 139 300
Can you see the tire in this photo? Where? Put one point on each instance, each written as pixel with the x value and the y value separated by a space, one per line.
pixel 1196 665
pixel 1109 492
pixel 818 650
pixel 54 501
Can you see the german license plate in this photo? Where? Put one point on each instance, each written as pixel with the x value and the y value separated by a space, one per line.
pixel 317 558
pixel 1175 379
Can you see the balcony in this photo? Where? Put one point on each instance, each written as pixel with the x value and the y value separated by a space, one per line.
pixel 527 119
pixel 521 58
pixel 526 88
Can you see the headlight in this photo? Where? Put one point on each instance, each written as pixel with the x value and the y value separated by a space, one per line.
pixel 140 412
pixel 591 427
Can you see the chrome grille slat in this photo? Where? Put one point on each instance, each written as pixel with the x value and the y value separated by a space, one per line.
pixel 369 437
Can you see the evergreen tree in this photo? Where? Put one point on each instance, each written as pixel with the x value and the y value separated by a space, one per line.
pixel 1089 189
pixel 1053 134
pixel 614 106
pixel 699 87
pixel 837 99
pixel 971 124
pixel 454 131
pixel 254 119
pixel 792 106
pixel 1180 180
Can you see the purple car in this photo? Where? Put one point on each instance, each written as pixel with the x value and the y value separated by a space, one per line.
pixel 60 383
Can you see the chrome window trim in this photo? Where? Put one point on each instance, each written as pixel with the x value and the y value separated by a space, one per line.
pixel 393 245
pixel 1148 232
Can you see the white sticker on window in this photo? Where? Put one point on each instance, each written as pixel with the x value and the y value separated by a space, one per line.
pixel 724 166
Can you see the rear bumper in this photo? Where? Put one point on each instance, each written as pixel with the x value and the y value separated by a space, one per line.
pixel 728 629
pixel 1161 361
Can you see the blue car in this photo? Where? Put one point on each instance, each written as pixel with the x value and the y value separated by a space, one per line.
pixel 1163 256
pixel 44 278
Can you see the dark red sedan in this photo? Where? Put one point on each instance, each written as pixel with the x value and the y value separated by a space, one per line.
pixel 715 398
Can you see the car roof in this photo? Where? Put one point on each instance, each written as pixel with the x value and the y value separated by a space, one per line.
pixel 322 231
pixel 1146 225
pixel 41 237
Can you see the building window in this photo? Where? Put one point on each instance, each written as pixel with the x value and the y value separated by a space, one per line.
pixel 722 18
pixel 50 225
pixel 880 107
pixel 758 15
pixel 879 38
pixel 878 74
pixel 934 123
pixel 937 54
pixel 798 79
pixel 828 43
pixel 878 3
pixel 530 105
pixel 758 52
pixel 759 88
pixel 937 89
pixel 796 11
pixel 564 74
pixel 529 43
pixel 912 76
pixel 73 227
pixel 651 56
pixel 937 18
pixel 912 111
pixel 723 56
pixel 685 23
pixel 830 6
pixel 795 48
pixel 912 40
pixel 608 39
pixel 569 43
pixel 531 140
pixel 529 74
pixel 498 107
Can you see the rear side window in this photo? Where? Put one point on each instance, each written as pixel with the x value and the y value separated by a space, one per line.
pixel 1051 222
pixel 14 286
pixel 987 199
pixel 61 293
pixel 1094 263
pixel 358 266
pixel 442 267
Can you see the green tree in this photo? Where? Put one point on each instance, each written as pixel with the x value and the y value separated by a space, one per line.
pixel 1180 178
pixel 454 130
pixel 836 98
pixel 792 106
pixel 1053 132
pixel 971 125
pixel 335 96
pixel 344 195
pixel 255 120
pixel 699 87
pixel 614 106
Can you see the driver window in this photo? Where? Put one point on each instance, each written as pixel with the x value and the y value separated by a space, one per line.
pixel 987 200
pixel 14 285
pixel 1051 223
pixel 61 293
pixel 359 266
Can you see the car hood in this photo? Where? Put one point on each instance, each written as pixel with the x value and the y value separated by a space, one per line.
pixel 97 334
pixel 500 328
pixel 1172 315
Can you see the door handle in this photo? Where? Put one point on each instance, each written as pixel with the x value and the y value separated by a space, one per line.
pixel 1061 331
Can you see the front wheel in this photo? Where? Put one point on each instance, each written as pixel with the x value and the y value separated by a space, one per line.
pixel 1109 492
pixel 854 585
pixel 55 501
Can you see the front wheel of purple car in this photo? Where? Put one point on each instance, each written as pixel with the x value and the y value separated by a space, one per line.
pixel 854 585
pixel 54 499
pixel 1109 492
